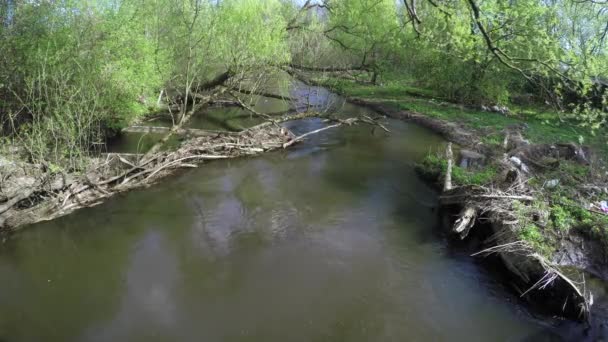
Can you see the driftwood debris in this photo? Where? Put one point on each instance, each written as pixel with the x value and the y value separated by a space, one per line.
pixel 263 94
pixel 116 173
pixel 195 132
pixel 348 122
pixel 466 218
pixel 465 221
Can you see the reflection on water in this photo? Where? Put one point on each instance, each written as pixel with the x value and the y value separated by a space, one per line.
pixel 334 240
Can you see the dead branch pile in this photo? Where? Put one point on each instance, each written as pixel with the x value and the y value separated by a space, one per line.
pixel 30 193
pixel 37 194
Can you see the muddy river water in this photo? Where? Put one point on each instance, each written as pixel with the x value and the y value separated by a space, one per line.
pixel 336 239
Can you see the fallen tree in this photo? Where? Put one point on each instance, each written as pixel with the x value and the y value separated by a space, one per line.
pixel 45 198
pixel 32 193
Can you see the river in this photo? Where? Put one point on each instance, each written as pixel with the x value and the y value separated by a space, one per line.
pixel 336 239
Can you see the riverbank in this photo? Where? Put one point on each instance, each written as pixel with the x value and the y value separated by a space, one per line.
pixel 532 184
pixel 540 123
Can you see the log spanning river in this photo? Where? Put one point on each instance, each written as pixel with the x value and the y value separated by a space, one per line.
pixel 336 239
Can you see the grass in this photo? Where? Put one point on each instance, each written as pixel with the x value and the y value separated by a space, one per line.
pixel 433 167
pixel 543 124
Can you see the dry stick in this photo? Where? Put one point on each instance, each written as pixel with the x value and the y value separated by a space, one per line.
pixel 285 118
pixel 465 222
pixel 546 279
pixel 551 268
pixel 447 185
pixel 126 173
pixel 374 122
pixel 263 94
pixel 202 156
pixel 328 69
pixel 513 197
pixel 510 246
pixel 10 203
pixel 253 111
pixel 349 121
pixel 125 161
pixel 175 162
pixel 182 131
pixel 109 155
pixel 152 151
pixel 296 139
pixel 195 107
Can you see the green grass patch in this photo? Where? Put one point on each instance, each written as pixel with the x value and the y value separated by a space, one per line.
pixel 434 167
pixel 543 124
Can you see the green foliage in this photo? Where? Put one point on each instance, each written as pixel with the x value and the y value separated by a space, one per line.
pixel 568 214
pixel 542 127
pixel 74 72
pixel 532 234
pixel 78 72
pixel 366 28
pixel 530 47
pixel 562 218
pixel 533 228
pixel 594 116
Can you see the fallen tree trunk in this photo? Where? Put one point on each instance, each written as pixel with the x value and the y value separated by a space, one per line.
pixel 350 121
pixel 263 94
pixel 181 131
pixel 301 137
pixel 447 185
pixel 460 198
pixel 328 69
pixel 13 201
pixel 215 82
pixel 176 127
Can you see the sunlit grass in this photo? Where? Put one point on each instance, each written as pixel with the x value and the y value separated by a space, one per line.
pixel 541 124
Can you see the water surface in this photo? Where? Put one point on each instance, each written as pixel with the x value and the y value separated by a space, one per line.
pixel 333 240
